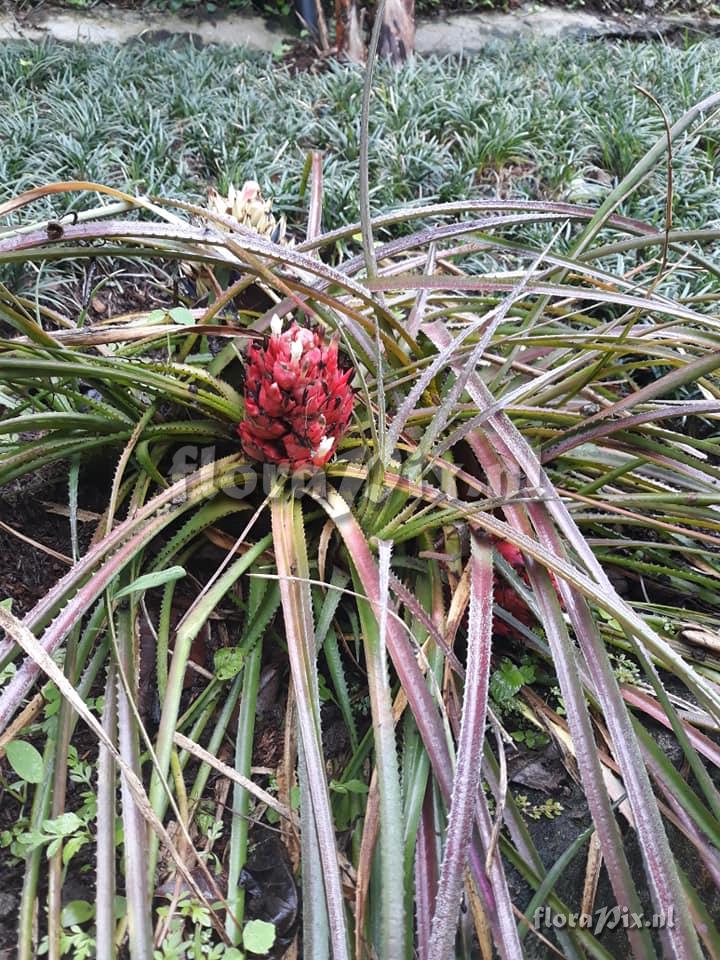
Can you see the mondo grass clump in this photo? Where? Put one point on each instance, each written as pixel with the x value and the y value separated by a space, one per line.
pixel 526 119
pixel 524 420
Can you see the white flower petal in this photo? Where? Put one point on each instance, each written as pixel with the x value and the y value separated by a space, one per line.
pixel 324 447
pixel 296 350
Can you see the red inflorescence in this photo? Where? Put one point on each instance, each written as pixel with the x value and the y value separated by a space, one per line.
pixel 508 598
pixel 298 399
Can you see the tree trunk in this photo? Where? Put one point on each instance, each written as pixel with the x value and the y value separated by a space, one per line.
pixel 397 36
pixel 348 31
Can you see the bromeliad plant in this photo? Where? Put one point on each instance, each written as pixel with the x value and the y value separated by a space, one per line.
pixel 521 411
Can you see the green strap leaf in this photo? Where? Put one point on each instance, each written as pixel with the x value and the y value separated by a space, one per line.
pixel 149 580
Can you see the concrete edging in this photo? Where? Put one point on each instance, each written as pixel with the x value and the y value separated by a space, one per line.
pixel 456 33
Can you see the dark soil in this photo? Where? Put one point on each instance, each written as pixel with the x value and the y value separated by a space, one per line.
pixel 12 878
pixel 26 574
pixel 28 507
pixel 540 775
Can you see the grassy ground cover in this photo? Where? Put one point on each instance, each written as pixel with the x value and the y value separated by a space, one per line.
pixel 544 120
pixel 530 120
pixel 508 545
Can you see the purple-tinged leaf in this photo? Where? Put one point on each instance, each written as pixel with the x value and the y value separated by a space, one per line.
pixel 466 783
pixel 292 567
pixel 426 874
pixel 643 701
pixel 485 284
pixel 659 862
pixel 416 609
pixel 606 424
pixel 408 214
pixel 566 668
pixel 506 934
pixel 405 662
pixel 401 653
pixel 511 448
